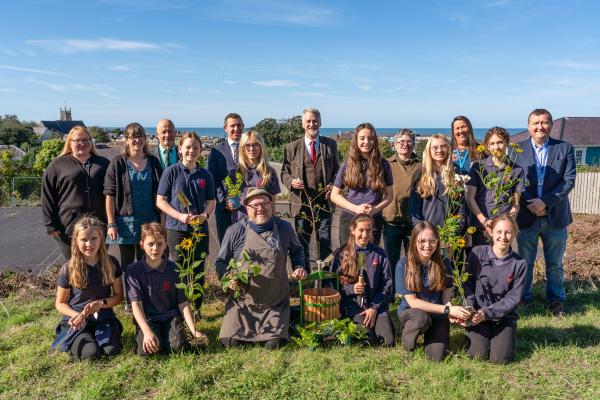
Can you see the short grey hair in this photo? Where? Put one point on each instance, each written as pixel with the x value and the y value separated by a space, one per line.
pixel 405 132
pixel 312 111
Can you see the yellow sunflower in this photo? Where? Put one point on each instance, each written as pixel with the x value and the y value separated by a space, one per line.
pixel 186 244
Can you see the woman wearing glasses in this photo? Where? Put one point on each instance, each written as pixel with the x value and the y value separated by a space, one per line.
pixel 72 186
pixel 130 188
pixel 253 165
pixel 423 280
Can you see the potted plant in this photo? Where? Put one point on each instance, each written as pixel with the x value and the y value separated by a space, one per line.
pixel 234 189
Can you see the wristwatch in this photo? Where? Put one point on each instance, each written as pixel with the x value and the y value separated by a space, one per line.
pixel 447 310
pixel 104 302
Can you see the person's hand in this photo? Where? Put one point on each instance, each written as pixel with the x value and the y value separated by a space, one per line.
pixel 537 207
pixel 229 206
pixel 370 317
pixel 456 320
pixel 202 338
pixel 297 184
pixel 299 273
pixel 54 234
pixel 363 208
pixel 478 317
pixel 151 344
pixel 359 288
pixel 185 218
pixel 459 312
pixel 200 219
pixel 77 322
pixel 112 233
pixel 513 211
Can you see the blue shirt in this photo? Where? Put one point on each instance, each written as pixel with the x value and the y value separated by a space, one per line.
pixel 167 157
pixel 425 294
pixel 364 195
pixel 197 185
pixel 541 159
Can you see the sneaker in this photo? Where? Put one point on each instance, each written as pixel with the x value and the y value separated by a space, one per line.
pixel 556 308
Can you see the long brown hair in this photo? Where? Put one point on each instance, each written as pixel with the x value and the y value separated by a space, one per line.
pixel 77 264
pixel 132 130
pixel 412 271
pixel 364 173
pixel 471 142
pixel 348 270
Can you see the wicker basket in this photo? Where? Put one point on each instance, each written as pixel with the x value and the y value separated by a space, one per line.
pixel 321 304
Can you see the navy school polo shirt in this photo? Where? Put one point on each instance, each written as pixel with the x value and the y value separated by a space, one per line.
pixel 425 294
pixel 155 288
pixel 95 289
pixel 196 184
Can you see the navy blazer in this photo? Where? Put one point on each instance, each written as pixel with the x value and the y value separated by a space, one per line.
pixel 219 163
pixel 559 180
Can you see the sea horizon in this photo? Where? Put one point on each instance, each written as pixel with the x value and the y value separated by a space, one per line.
pixel 479 133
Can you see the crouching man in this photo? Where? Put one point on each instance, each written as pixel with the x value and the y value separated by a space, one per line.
pixel 261 312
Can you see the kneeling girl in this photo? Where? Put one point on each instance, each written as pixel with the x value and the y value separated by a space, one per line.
pixel 366 279
pixel 89 286
pixel 424 281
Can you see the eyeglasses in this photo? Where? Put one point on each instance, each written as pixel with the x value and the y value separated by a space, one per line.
pixel 136 137
pixel 80 141
pixel 403 142
pixel 431 242
pixel 263 206
pixel 250 146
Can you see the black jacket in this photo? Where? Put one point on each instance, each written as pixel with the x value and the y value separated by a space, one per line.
pixel 71 189
pixel 118 185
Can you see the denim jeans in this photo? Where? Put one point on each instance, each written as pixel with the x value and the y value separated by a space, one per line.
pixel 394 237
pixel 554 242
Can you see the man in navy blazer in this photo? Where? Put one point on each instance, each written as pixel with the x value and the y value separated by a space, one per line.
pixel 223 157
pixel 545 212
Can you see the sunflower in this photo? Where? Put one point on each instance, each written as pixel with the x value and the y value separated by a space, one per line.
pixel 481 148
pixel 461 243
pixel 471 230
pixel 186 244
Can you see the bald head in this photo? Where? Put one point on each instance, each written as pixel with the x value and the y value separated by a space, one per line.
pixel 165 132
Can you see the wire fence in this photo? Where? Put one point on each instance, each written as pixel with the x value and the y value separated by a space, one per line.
pixel 24 191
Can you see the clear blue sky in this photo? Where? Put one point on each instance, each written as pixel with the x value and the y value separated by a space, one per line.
pixel 393 63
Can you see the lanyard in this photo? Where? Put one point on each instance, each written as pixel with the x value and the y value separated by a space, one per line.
pixel 462 160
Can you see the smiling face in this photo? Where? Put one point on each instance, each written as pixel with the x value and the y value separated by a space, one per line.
pixel 136 142
pixel 165 132
pixel 427 244
pixel 311 124
pixel 190 150
pixel 539 127
pixel 362 233
pixel 439 150
pixel 404 146
pixel 154 247
pixel 234 128
pixel 88 242
pixel 461 132
pixel 365 140
pixel 503 234
pixel 260 209
pixel 81 145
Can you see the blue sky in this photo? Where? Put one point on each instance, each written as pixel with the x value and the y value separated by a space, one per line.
pixel 393 63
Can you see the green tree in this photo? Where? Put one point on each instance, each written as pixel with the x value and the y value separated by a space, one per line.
pixel 386 148
pixel 343 147
pixel 100 134
pixel 49 150
pixel 12 131
pixel 420 147
pixel 7 172
pixel 280 132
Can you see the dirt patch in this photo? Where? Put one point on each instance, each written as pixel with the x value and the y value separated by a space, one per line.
pixel 25 284
pixel 582 256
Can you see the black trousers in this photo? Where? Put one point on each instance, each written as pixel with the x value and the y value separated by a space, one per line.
pixel 396 235
pixel 381 333
pixel 63 242
pixel 304 229
pixel 86 347
pixel 493 340
pixel 129 254
pixel 222 219
pixel 170 334
pixel 434 327
pixel 345 221
pixel 173 239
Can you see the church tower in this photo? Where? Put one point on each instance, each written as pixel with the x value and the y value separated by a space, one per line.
pixel 65 115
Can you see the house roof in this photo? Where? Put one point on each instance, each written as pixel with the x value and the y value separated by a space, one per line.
pixel 61 126
pixel 579 131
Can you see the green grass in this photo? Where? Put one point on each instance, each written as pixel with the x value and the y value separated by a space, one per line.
pixel 556 359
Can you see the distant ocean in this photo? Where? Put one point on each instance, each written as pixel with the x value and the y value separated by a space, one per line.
pixel 218 132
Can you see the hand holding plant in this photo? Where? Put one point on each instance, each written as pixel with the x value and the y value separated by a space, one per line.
pixel 239 273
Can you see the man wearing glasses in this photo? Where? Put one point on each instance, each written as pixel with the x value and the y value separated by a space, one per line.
pixel 167 149
pixel 259 311
pixel 545 212
pixel 406 168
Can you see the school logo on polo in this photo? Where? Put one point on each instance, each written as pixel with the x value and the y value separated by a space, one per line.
pixel 201 183
pixel 166 286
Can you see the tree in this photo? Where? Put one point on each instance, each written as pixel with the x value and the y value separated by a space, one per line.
pixel 49 150
pixel 280 132
pixel 100 134
pixel 385 148
pixel 12 131
pixel 7 172
pixel 420 147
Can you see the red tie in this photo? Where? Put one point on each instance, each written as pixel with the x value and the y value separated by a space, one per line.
pixel 313 152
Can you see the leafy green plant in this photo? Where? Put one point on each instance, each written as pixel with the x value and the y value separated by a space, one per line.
pixel 234 188
pixel 240 272
pixel 344 331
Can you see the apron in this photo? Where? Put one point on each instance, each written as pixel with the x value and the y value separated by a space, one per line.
pixel 263 311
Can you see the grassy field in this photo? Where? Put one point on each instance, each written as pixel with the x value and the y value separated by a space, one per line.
pixel 557 358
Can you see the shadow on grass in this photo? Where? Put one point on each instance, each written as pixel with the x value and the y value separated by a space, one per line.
pixel 581 296
pixel 531 339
